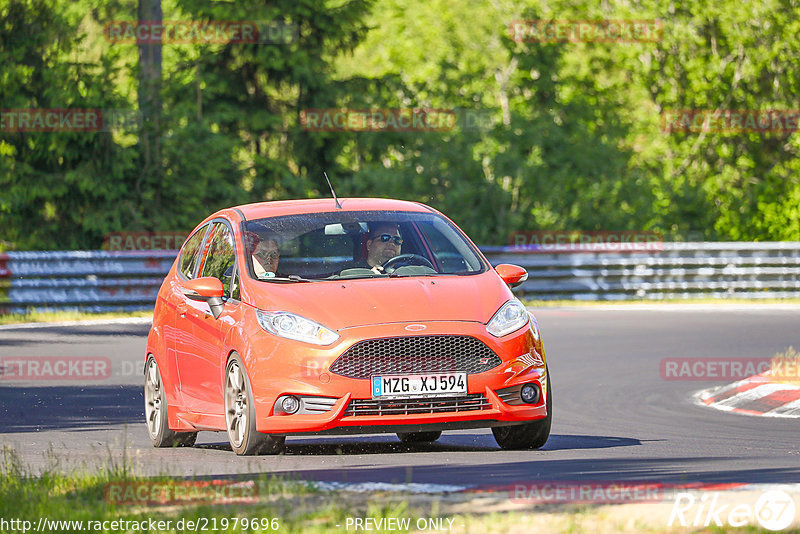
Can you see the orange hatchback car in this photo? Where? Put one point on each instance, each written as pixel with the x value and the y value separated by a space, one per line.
pixel 319 317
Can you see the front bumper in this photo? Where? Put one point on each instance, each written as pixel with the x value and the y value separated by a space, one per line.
pixel 484 409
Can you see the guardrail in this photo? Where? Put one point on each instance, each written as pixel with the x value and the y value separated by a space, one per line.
pixel 678 271
pixel 101 281
pixel 93 281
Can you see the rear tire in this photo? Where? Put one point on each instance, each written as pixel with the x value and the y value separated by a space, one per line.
pixel 419 437
pixel 530 435
pixel 155 411
pixel 240 414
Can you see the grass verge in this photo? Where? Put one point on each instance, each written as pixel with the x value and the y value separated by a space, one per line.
pixel 54 316
pixel 112 500
pixel 57 316
pixel 534 303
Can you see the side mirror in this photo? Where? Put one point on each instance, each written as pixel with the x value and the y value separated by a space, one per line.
pixel 512 275
pixel 207 289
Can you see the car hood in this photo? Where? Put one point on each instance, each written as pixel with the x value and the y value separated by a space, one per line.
pixel 349 303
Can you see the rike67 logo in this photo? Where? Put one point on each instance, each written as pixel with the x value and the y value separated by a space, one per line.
pixel 773 510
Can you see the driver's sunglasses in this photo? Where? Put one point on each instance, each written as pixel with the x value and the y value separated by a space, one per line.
pixel 396 239
pixel 268 257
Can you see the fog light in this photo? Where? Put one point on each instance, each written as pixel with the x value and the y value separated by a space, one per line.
pixel 290 404
pixel 529 393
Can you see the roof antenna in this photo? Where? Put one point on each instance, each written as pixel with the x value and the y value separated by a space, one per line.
pixel 338 206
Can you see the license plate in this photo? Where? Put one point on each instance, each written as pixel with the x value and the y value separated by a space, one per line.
pixel 386 386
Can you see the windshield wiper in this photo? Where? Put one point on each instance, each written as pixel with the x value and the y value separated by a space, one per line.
pixel 409 275
pixel 357 276
pixel 457 273
pixel 290 278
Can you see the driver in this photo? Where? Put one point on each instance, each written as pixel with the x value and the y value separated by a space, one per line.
pixel 383 243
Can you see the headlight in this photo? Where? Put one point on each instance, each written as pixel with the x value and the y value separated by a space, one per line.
pixel 511 316
pixel 289 325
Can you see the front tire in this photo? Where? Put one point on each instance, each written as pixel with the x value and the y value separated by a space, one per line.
pixel 530 435
pixel 419 437
pixel 240 414
pixel 155 411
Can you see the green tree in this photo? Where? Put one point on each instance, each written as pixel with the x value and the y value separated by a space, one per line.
pixel 60 190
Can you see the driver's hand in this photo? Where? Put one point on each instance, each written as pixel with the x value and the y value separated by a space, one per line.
pixel 378 269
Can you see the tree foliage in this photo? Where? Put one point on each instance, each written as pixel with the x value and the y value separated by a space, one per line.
pixel 551 135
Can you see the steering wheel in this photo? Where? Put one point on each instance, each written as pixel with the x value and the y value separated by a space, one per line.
pixel 390 265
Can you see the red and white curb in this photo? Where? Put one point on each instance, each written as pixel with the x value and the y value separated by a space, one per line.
pixel 757 395
pixel 599 492
pixel 411 487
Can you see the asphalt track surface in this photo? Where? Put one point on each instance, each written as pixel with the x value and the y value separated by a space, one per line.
pixel 615 417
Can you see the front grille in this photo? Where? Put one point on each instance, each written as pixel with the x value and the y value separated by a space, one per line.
pixel 415 355
pixel 464 403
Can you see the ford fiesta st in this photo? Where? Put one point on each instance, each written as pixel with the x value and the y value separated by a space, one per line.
pixel 319 317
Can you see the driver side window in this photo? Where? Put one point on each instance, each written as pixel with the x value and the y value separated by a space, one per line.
pixel 221 256
pixel 190 253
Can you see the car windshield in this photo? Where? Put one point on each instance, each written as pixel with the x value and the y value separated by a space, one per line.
pixel 364 244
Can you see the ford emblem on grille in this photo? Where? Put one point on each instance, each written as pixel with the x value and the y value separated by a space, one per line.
pixel 416 327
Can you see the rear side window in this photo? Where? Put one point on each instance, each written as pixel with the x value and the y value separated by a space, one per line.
pixel 235 293
pixel 221 256
pixel 190 252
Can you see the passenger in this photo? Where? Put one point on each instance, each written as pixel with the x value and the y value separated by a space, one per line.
pixel 266 257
